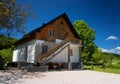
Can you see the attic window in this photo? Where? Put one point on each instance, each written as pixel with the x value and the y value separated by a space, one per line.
pixel 51 33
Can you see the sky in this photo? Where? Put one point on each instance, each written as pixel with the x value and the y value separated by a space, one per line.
pixel 103 16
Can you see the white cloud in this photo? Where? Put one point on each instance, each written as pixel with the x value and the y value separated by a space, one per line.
pixel 114 50
pixel 112 38
pixel 104 50
pixel 118 48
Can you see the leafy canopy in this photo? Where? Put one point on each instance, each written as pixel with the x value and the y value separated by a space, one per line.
pixel 87 35
pixel 12 17
pixel 6 48
pixel 6 42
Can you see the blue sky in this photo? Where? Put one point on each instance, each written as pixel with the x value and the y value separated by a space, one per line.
pixel 101 15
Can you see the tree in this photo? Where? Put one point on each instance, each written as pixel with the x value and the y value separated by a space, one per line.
pixel 6 54
pixel 6 49
pixel 97 56
pixel 6 42
pixel 12 17
pixel 87 35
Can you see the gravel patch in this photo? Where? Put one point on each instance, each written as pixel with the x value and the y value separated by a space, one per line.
pixel 16 76
pixel 58 77
pixel 75 77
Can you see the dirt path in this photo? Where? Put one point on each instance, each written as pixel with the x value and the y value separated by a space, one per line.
pixel 73 77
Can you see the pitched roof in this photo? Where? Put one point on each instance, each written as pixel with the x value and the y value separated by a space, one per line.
pixel 62 15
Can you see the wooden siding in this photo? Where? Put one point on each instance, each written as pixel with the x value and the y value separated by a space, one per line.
pixel 61 31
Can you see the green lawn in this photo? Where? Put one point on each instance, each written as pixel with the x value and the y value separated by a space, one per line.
pixel 99 68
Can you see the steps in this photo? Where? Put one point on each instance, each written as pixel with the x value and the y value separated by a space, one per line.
pixel 53 52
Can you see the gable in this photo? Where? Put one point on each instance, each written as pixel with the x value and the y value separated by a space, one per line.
pixel 64 29
pixel 60 26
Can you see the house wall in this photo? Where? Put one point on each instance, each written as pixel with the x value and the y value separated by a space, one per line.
pixel 61 28
pixel 30 51
pixel 63 55
pixel 75 51
pixel 24 52
pixel 61 31
pixel 39 44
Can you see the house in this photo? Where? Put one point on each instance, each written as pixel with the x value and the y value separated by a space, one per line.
pixel 55 44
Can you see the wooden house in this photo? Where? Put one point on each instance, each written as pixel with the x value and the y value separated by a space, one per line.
pixel 55 43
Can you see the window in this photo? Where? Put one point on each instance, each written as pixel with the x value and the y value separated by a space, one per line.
pixel 52 33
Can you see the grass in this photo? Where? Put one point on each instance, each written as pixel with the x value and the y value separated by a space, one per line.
pixel 99 68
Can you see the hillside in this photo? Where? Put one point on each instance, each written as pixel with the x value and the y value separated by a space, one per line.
pixel 6 42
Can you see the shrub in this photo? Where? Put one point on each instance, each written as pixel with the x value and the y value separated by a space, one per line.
pixel 6 54
pixel 115 66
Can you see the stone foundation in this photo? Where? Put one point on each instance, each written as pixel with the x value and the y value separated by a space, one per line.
pixel 37 68
pixel 50 66
pixel 75 65
pixel 30 67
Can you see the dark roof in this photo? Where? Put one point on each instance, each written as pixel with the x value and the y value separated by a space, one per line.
pixel 62 15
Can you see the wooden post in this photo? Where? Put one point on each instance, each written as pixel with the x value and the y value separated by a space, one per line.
pixel 69 64
pixel 80 58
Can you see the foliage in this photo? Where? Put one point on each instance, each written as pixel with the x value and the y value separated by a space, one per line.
pixel 6 48
pixel 6 42
pixel 12 17
pixel 109 58
pixel 108 70
pixel 114 66
pixel 6 54
pixel 110 66
pixel 97 56
pixel 87 35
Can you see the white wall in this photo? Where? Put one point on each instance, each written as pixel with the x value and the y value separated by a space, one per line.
pixel 75 57
pixel 18 55
pixel 58 40
pixel 19 52
pixel 38 48
pixel 33 51
pixel 63 55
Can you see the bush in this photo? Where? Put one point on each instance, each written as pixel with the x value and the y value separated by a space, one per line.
pixel 115 66
pixel 6 54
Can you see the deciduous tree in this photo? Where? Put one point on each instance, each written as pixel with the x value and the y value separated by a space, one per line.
pixel 97 56
pixel 87 35
pixel 12 17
